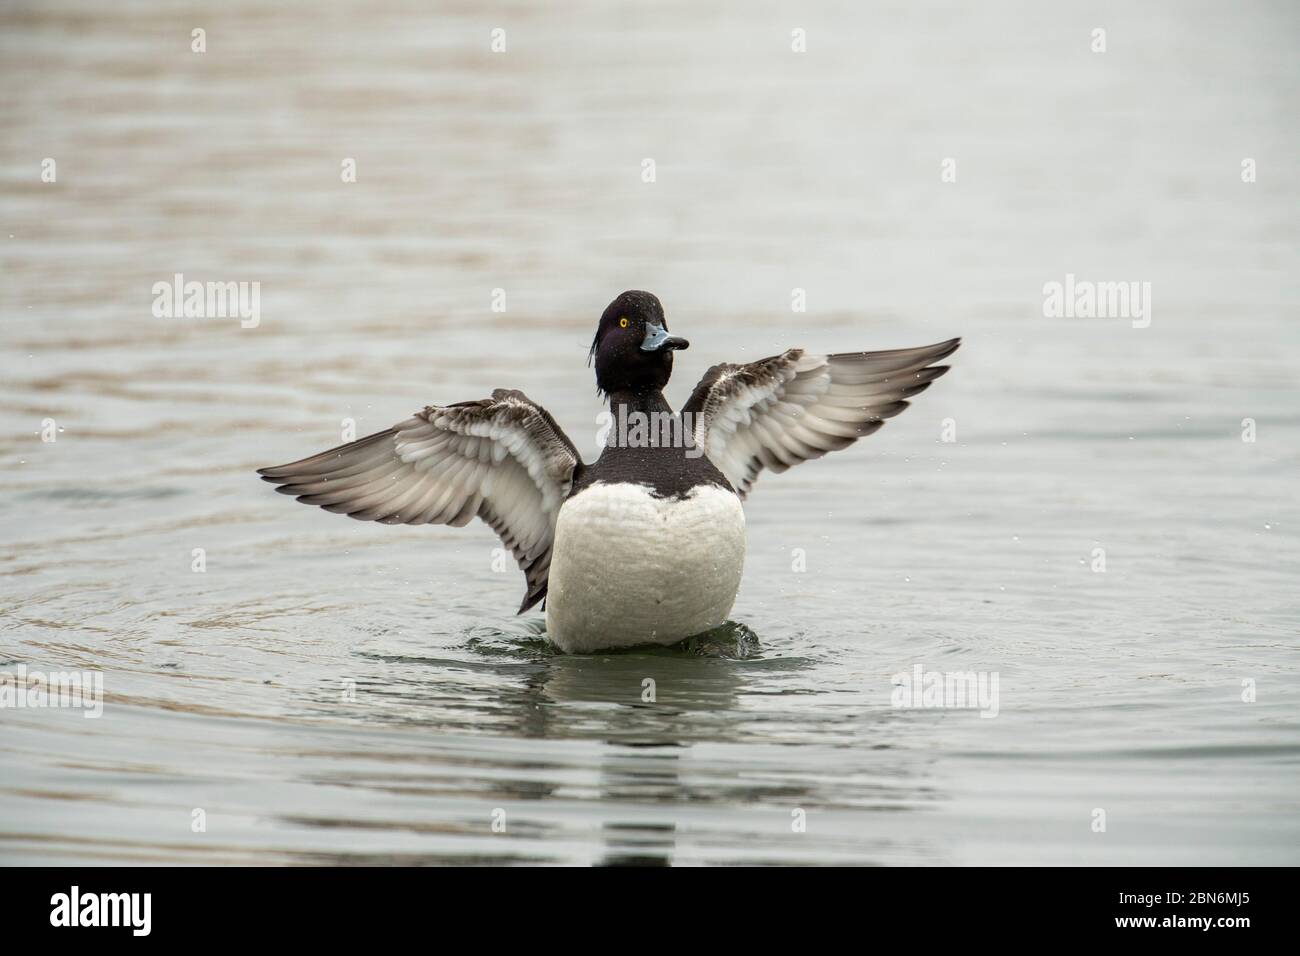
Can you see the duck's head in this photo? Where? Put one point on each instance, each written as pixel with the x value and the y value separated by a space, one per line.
pixel 632 348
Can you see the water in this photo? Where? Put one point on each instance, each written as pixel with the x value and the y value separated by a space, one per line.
pixel 332 691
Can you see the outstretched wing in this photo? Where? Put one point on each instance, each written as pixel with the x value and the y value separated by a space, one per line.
pixel 782 410
pixel 501 458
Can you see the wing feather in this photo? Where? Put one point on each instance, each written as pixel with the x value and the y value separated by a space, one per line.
pixel 502 459
pixel 779 411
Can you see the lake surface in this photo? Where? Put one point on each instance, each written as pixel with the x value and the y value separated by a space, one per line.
pixel 332 691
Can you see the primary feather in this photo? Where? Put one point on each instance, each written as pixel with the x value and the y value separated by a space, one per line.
pixel 779 411
pixel 502 459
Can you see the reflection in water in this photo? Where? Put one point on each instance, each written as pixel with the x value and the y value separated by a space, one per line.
pixel 663 722
pixel 662 701
pixel 638 844
pixel 640 774
pixel 601 751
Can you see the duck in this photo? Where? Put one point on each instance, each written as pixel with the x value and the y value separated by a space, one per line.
pixel 645 545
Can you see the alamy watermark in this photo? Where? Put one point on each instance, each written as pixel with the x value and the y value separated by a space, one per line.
pixel 1085 299
pixel 130 910
pixel 635 429
pixel 955 690
pixel 21 688
pixel 179 299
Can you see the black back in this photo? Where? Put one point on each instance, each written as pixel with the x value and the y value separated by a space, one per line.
pixel 665 469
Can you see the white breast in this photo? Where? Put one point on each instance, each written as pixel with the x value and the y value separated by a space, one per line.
pixel 629 568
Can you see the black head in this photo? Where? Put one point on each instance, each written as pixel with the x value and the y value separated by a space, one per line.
pixel 632 347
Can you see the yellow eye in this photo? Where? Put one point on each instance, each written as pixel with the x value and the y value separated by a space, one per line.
pixel 622 323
